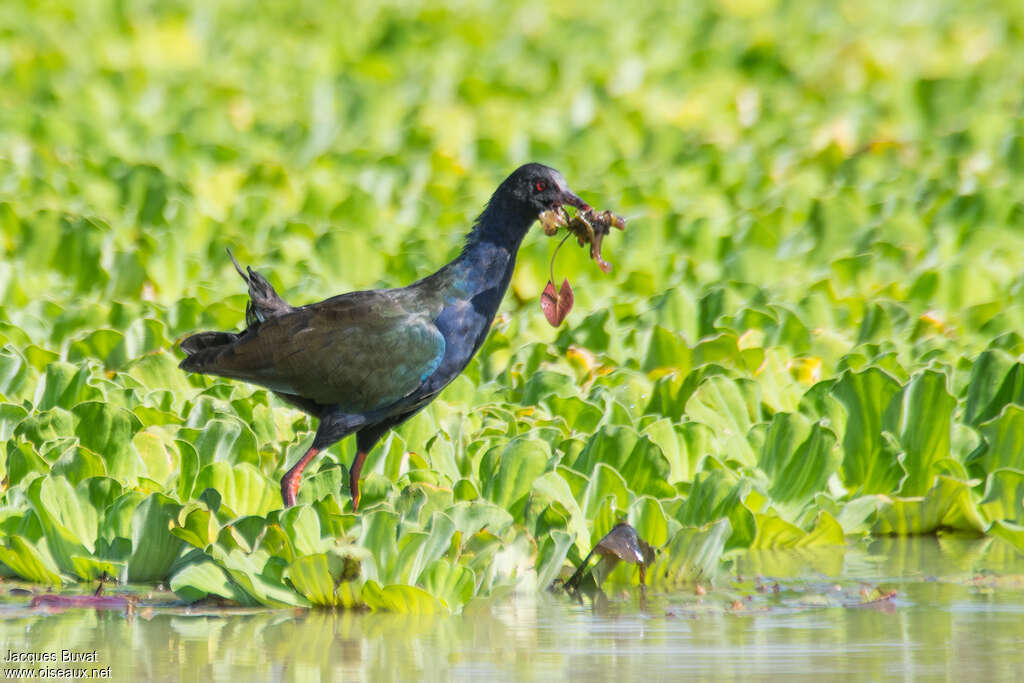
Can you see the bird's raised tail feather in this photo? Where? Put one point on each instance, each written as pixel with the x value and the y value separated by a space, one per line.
pixel 264 301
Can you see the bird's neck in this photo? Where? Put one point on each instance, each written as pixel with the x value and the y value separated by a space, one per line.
pixel 471 287
pixel 488 258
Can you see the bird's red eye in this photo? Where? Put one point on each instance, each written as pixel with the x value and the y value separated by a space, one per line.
pixel 540 186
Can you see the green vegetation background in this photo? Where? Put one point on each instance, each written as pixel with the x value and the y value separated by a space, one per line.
pixel 813 328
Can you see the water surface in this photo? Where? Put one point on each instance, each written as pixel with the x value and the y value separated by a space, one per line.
pixel 957 613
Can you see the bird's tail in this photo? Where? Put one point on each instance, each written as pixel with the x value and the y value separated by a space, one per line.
pixel 202 348
pixel 264 301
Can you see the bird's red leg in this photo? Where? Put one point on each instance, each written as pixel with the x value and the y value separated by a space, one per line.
pixel 290 481
pixel 353 478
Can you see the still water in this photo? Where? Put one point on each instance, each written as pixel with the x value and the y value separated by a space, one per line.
pixel 957 613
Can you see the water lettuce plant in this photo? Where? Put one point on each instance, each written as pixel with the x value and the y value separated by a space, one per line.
pixel 813 330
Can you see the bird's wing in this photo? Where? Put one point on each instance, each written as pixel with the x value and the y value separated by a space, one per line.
pixel 361 351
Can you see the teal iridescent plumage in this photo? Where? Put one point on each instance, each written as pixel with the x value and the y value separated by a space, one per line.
pixel 364 362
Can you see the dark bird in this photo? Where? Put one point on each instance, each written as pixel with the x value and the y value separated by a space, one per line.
pixel 365 362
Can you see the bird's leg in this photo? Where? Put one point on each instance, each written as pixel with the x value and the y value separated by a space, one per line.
pixel 290 481
pixel 366 439
pixel 353 478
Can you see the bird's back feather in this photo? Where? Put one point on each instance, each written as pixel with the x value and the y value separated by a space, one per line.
pixel 360 351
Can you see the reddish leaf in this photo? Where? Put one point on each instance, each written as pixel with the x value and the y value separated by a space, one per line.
pixel 556 305
pixel 54 601
pixel 565 299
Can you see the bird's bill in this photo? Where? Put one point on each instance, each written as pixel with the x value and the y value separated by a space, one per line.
pixel 568 197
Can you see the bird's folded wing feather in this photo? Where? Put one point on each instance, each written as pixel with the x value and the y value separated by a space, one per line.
pixel 361 351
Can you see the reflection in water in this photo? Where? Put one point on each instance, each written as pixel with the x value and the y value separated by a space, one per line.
pixel 959 614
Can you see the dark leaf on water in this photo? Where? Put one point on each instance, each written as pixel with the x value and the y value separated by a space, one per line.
pixel 624 543
pixel 621 543
pixel 54 601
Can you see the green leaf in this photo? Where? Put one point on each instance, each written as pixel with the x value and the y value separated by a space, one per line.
pixel 13 372
pixel 158 453
pixel 10 416
pixel 611 445
pixel 437 543
pixel 158 371
pixel 646 470
pixel 604 482
pixel 154 547
pixel 22 461
pixel 923 430
pixel 78 463
pixel 853 515
pixel 551 557
pixel 521 462
pixel 551 486
pixel 108 431
pixel 45 425
pixel 693 554
pixel 581 416
pixel 118 508
pixel 83 237
pixel 242 487
pixel 27 562
pixel 400 599
pixel 302 528
pixel 93 569
pixel 107 346
pixel 249 572
pixel 1004 441
pixel 1009 532
pixel 379 534
pixel 1004 496
pixel 730 408
pixel 64 385
pixel 1011 388
pixel 451 583
pixel 947 505
pixel 202 577
pixel 988 374
pixel 198 528
pixel 608 514
pixel 683 445
pixel 798 457
pixel 774 533
pixel 471 517
pixel 70 523
pixel 666 350
pixel 223 439
pixel 648 518
pixel 714 495
pixel 867 464
pixel 315 577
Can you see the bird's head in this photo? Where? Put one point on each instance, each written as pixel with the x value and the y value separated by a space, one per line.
pixel 535 188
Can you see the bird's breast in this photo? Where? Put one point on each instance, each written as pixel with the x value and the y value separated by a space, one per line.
pixel 464 328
